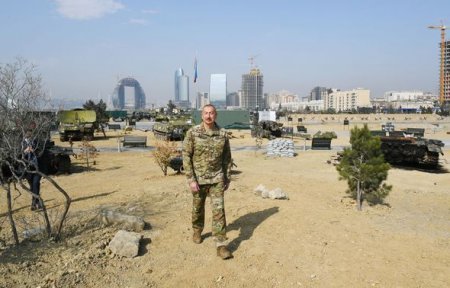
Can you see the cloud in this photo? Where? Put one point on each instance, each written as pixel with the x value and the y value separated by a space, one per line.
pixel 149 11
pixel 138 21
pixel 87 9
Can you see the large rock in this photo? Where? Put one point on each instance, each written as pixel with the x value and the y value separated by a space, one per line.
pixel 276 193
pixel 125 244
pixel 126 222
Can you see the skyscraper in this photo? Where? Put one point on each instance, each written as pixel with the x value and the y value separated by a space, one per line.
pixel 252 90
pixel 178 75
pixel 218 90
pixel 233 99
pixel 202 100
pixel 446 99
pixel 318 93
pixel 181 89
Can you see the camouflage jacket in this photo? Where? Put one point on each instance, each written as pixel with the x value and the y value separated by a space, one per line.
pixel 206 155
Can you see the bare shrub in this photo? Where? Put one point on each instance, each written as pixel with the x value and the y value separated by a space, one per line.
pixel 164 151
pixel 24 107
pixel 87 152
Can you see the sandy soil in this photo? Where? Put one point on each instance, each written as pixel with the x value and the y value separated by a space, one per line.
pixel 315 239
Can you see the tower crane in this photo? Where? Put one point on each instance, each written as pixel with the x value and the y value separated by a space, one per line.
pixel 441 27
pixel 252 59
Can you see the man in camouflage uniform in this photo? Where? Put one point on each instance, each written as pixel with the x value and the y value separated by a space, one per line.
pixel 206 157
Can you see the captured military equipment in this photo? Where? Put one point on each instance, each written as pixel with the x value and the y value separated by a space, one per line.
pixel 171 130
pixel 176 163
pixel 55 159
pixel 267 129
pixel 76 124
pixel 399 147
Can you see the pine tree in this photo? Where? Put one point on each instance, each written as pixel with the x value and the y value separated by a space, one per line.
pixel 364 168
pixel 99 108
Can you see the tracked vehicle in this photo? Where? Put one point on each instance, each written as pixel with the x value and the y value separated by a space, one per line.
pixel 400 147
pixel 172 130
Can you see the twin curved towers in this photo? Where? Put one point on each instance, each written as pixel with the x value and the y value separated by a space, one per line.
pixel 118 97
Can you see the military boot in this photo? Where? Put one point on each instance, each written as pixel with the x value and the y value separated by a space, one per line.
pixel 224 253
pixel 197 237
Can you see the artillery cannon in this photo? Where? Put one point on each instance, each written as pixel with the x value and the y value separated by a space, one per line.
pixel 267 129
pixel 399 147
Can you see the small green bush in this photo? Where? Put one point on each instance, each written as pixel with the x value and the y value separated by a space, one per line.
pixel 327 135
pixel 364 168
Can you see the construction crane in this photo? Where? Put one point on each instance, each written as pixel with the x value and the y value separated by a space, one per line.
pixel 441 27
pixel 252 60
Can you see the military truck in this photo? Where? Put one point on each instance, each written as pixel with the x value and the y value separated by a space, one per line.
pixel 171 130
pixel 76 124
pixel 399 147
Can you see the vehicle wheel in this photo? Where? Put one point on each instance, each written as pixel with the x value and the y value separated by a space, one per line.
pixel 63 164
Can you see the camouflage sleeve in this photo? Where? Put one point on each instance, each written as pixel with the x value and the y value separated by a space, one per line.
pixel 188 152
pixel 226 158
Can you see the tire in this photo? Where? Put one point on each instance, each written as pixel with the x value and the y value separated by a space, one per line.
pixel 89 137
pixel 63 164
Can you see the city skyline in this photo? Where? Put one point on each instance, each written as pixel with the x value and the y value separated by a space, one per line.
pixel 82 48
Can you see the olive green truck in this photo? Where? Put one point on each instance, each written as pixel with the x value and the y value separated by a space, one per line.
pixel 76 124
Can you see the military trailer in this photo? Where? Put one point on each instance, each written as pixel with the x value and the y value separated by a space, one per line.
pixel 399 147
pixel 76 124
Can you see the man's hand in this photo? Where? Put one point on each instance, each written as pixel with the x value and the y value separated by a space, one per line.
pixel 194 187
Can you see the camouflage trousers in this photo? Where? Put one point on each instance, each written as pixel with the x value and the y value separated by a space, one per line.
pixel 215 193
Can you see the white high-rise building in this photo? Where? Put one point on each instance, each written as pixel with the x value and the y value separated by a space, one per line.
pixel 347 100
pixel 202 100
pixel 181 89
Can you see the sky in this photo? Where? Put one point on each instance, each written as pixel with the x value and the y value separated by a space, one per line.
pixel 83 47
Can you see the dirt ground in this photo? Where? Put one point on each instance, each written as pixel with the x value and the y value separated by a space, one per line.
pixel 317 238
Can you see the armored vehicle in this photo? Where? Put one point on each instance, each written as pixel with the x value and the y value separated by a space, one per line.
pixel 399 147
pixel 76 124
pixel 51 160
pixel 172 130
pixel 267 129
pixel 55 159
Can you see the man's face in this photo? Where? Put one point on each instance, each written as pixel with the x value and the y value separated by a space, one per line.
pixel 209 115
